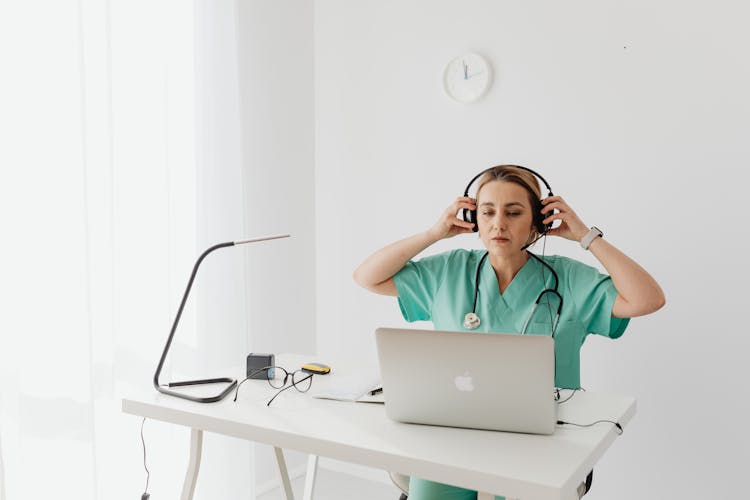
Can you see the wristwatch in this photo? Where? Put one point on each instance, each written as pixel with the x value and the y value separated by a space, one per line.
pixel 593 233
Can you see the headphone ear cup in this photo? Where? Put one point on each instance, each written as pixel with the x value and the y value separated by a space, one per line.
pixel 471 216
pixel 539 224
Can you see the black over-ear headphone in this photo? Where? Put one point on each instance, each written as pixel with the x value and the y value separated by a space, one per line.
pixel 537 216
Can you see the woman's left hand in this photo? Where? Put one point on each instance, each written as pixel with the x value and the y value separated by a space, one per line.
pixel 572 227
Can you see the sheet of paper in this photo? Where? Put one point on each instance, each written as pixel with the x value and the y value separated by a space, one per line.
pixel 347 387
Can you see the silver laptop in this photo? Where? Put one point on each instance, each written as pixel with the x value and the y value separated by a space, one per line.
pixel 494 381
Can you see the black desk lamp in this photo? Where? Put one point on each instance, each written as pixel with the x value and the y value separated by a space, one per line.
pixel 232 382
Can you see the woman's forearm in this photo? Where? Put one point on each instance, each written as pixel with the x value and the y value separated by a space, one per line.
pixel 377 271
pixel 638 292
pixel 389 260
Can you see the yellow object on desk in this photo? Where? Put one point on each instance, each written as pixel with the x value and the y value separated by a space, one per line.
pixel 316 368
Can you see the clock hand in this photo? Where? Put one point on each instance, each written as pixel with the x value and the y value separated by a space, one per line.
pixel 475 74
pixel 466 70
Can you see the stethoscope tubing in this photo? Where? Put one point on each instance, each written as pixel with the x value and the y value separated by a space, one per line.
pixel 474 323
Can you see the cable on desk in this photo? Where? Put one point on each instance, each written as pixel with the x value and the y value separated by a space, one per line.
pixel 557 397
pixel 616 424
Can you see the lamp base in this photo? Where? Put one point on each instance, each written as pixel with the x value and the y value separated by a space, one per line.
pixel 209 399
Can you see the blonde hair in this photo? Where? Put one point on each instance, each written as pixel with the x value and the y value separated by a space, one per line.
pixel 525 179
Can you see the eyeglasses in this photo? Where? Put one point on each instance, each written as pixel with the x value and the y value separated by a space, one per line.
pixel 301 380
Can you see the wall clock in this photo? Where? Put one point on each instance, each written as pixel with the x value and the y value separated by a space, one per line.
pixel 467 77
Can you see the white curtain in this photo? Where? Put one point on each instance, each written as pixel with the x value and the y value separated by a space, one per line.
pixel 119 163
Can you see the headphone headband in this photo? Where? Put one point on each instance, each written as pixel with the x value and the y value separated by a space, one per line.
pixel 546 184
pixel 471 215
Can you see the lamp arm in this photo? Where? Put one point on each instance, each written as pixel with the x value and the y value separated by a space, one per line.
pixel 182 306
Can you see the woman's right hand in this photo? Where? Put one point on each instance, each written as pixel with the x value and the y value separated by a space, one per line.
pixel 450 224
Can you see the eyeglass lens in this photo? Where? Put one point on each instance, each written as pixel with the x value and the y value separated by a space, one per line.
pixel 302 380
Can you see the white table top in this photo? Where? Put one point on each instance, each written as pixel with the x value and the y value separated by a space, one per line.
pixel 517 465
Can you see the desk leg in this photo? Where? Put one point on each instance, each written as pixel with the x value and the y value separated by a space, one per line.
pixel 283 473
pixel 312 470
pixel 194 464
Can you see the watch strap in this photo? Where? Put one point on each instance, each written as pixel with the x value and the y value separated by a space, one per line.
pixel 593 233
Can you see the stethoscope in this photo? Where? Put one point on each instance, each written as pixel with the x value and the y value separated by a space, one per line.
pixel 472 321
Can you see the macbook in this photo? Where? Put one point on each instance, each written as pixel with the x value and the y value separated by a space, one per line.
pixel 493 381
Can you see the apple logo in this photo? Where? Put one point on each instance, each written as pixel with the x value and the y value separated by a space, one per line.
pixel 464 382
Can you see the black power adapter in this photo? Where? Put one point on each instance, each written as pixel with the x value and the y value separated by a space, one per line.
pixel 255 364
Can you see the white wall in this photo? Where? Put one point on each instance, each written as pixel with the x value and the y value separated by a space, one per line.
pixel 636 112
pixel 276 81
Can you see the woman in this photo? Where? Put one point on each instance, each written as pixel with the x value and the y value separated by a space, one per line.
pixel 496 289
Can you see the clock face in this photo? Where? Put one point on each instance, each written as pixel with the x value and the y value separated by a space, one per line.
pixel 467 77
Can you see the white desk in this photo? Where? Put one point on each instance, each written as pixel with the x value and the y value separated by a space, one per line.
pixel 494 463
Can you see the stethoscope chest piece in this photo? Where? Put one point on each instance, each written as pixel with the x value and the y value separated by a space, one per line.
pixel 471 321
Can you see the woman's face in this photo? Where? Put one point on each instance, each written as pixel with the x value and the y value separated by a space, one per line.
pixel 504 217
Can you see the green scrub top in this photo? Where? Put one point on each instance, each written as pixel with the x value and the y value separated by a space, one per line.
pixel 440 288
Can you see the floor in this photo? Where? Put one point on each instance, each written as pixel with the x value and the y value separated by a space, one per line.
pixel 332 485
